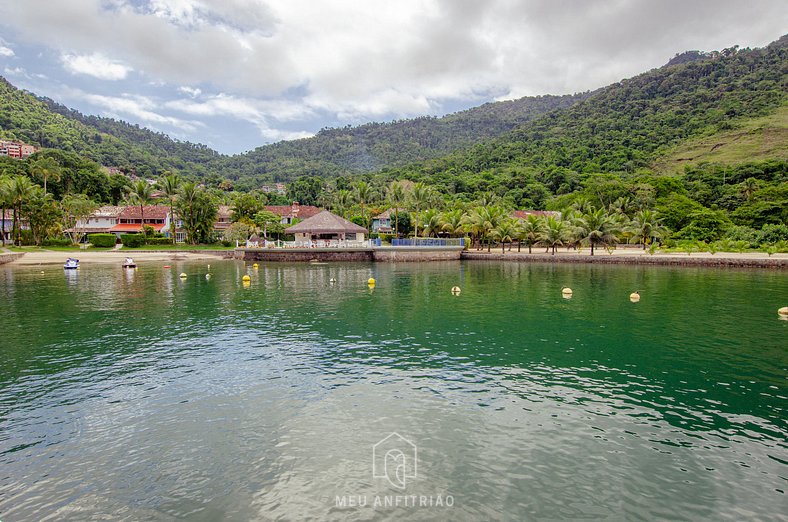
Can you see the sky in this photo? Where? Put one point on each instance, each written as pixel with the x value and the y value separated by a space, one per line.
pixel 237 74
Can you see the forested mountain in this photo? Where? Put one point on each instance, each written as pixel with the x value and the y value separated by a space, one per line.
pixel 370 147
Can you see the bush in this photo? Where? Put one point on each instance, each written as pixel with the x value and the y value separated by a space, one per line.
pixel 741 233
pixel 131 240
pixel 226 243
pixel 102 240
pixel 158 241
pixel 56 241
pixel 772 233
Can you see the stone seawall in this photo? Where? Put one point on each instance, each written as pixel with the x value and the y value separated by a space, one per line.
pixel 295 255
pixel 7 258
pixel 416 254
pixel 719 260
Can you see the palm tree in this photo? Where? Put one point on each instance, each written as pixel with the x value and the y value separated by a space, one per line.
pixel 364 194
pixel 452 223
pixel 421 197
pixel 554 233
pixel 531 230
pixel 597 228
pixel 343 201
pixel 21 189
pixel 395 195
pixel 46 168
pixel 748 187
pixel 647 225
pixel 169 185
pixel 5 202
pixel 140 193
pixel 505 232
pixel 432 222
pixel 482 220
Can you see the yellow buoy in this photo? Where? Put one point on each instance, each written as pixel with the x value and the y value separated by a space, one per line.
pixel 371 281
pixel 455 290
pixel 255 266
pixel 783 311
pixel 634 297
pixel 246 279
pixel 183 275
pixel 247 284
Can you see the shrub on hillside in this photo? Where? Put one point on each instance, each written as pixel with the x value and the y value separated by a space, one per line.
pixel 102 240
pixel 132 240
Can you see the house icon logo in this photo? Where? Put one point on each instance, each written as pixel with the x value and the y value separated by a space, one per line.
pixel 394 458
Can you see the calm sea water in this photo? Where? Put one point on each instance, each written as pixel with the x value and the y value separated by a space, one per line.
pixel 138 396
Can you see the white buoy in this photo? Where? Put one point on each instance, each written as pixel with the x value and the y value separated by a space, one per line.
pixel 183 275
pixel 332 280
pixel 634 297
pixel 207 276
pixel 455 290
pixel 783 311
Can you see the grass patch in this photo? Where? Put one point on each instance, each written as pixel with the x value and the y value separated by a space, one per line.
pixel 757 139
pixel 178 247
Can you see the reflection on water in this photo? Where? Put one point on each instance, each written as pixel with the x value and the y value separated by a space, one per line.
pixel 137 395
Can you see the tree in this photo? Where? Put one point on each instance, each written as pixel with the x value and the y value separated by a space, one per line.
pixel 245 206
pixel 451 222
pixel 554 233
pixel 395 195
pixel 46 168
pixel 343 201
pixel 505 231
pixel 597 228
pixel 421 197
pixel 431 222
pixel 531 229
pixel 239 231
pixel 363 194
pixel 5 202
pixel 169 184
pixel 42 213
pixel 141 193
pixel 269 222
pixel 647 226
pixel 77 209
pixel 197 209
pixel 20 191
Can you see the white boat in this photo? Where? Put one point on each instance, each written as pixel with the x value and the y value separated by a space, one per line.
pixel 129 263
pixel 71 264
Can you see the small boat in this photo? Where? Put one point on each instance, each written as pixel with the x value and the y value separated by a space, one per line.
pixel 129 263
pixel 71 264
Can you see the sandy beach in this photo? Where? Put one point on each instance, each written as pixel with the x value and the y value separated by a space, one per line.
pixel 51 257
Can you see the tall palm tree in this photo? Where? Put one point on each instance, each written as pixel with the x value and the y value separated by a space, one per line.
pixel 432 222
pixel 169 185
pixel 140 193
pixel 343 201
pixel 531 230
pixel 421 197
pixel 505 232
pixel 748 187
pixel 554 233
pixel 482 220
pixel 395 195
pixel 21 189
pixel 46 168
pixel 5 202
pixel 363 194
pixel 598 228
pixel 647 225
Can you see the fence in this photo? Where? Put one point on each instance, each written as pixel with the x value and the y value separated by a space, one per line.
pixel 429 242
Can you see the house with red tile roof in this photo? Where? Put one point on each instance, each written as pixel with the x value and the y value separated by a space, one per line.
pixel 290 213
pixel 132 218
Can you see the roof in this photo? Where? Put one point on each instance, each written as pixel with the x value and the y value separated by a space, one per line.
pixel 108 211
pixel 387 214
pixel 135 227
pixel 325 223
pixel 151 212
pixel 296 211
pixel 522 214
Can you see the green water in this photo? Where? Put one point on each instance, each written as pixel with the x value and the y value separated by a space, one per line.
pixel 138 396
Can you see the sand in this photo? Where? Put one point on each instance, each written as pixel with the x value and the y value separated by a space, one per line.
pixel 51 257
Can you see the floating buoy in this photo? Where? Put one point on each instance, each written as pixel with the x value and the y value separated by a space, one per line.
pixel 207 276
pixel 255 266
pixel 783 311
pixel 183 275
pixel 332 280
pixel 455 290
pixel 246 279
pixel 42 271
pixel 247 284
pixel 167 266
pixel 634 297
pixel 371 281
pixel 566 290
pixel 209 267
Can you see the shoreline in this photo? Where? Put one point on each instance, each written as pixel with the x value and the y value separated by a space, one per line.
pixel 53 257
pixel 639 257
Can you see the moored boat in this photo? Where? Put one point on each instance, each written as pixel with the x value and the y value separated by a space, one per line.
pixel 129 263
pixel 71 264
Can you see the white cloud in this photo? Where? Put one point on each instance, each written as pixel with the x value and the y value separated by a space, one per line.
pixel 6 51
pixel 193 92
pixel 96 65
pixel 15 71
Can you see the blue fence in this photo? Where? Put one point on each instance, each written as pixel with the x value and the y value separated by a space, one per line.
pixel 428 242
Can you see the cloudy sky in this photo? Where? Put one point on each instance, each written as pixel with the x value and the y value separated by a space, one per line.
pixel 235 74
